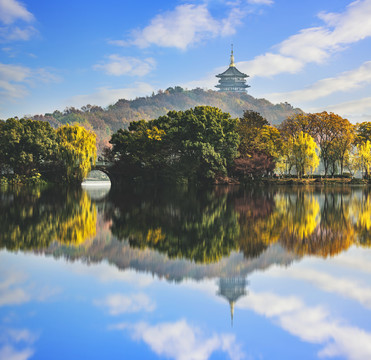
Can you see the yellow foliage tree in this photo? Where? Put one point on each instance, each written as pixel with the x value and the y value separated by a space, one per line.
pixel 364 157
pixel 77 151
pixel 304 154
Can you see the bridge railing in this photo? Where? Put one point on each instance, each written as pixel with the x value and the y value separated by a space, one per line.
pixel 103 163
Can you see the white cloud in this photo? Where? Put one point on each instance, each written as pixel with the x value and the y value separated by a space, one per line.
pixel 312 45
pixel 12 10
pixel 184 26
pixel 358 107
pixel 181 341
pixel 120 304
pixel 14 80
pixel 14 72
pixel 20 335
pixel 344 82
pixel 15 33
pixel 105 96
pixel 316 44
pixel 270 64
pixel 126 65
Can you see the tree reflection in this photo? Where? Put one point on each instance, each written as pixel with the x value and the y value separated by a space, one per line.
pixel 304 221
pixel 32 219
pixel 360 210
pixel 197 225
pixel 259 221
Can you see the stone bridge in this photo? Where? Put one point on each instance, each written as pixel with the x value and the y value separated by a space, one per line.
pixel 105 167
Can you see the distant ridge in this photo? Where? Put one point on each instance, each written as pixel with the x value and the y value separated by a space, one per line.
pixel 105 121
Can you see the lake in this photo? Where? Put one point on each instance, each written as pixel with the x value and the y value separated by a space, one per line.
pixel 162 273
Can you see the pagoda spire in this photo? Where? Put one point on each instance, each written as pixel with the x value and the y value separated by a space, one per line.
pixel 232 57
pixel 231 303
pixel 232 288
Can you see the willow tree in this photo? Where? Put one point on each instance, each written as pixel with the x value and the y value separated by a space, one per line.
pixel 304 154
pixel 77 152
pixel 363 157
pixel 333 134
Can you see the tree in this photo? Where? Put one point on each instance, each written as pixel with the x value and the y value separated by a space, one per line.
pixel 304 154
pixel 342 143
pixel 249 127
pixel 198 144
pixel 33 219
pixel 363 132
pixel 333 134
pixel 363 157
pixel 77 152
pixel 26 145
pixel 260 145
pixel 255 166
pixel 286 161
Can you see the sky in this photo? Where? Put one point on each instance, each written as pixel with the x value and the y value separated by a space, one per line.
pixel 313 54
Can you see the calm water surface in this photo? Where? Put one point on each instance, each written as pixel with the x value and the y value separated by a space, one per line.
pixel 225 273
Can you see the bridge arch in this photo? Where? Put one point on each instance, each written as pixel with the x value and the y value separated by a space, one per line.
pixel 103 167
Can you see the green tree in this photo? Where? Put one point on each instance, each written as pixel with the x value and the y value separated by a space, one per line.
pixel 363 132
pixel 198 144
pixel 26 146
pixel 249 128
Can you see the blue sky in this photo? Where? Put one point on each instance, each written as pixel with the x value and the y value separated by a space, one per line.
pixel 313 54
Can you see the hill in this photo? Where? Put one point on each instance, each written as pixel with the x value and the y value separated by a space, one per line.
pixel 106 121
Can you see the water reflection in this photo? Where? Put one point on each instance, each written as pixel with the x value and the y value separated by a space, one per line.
pixel 204 227
pixel 33 219
pixel 200 226
pixel 169 269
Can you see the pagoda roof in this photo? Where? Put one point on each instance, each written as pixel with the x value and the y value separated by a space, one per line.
pixel 232 71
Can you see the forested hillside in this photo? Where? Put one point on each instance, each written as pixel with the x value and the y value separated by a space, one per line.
pixel 105 121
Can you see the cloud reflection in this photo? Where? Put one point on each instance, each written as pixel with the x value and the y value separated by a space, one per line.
pixel 9 353
pixel 11 292
pixel 119 304
pixel 182 341
pixel 311 324
pixel 350 288
pixel 12 339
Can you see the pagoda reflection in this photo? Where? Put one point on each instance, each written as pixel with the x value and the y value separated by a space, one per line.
pixel 232 289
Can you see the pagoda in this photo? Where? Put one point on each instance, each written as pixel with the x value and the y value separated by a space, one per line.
pixel 232 79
